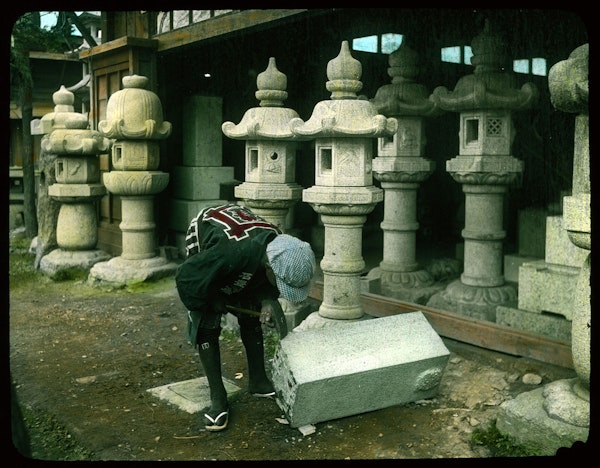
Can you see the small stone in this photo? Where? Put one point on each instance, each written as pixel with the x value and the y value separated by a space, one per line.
pixel 532 379
pixel 307 430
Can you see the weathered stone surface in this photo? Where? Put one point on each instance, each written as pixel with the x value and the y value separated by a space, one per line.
pixel 345 369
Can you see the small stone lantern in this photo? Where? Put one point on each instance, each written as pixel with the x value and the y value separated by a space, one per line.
pixel 269 188
pixel 343 194
pixel 77 185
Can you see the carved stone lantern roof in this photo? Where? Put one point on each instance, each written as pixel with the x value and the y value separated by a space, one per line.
pixel 490 86
pixel 134 112
pixel 67 132
pixel 344 115
pixel 271 120
pixel 404 96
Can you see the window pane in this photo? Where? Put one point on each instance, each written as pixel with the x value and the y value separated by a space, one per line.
pixel 365 44
pixel 521 66
pixel 538 66
pixel 451 54
pixel 468 55
pixel 390 42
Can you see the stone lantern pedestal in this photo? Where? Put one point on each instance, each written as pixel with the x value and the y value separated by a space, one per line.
pixel 485 168
pixel 134 119
pixel 77 186
pixel 401 168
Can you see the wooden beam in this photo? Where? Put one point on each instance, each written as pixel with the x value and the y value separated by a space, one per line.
pixel 220 25
pixel 122 42
pixel 482 333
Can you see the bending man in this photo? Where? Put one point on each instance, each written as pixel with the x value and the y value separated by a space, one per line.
pixel 234 257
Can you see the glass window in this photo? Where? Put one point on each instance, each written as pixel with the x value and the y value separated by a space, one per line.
pixel 390 42
pixel 521 66
pixel 538 66
pixel 451 54
pixel 365 44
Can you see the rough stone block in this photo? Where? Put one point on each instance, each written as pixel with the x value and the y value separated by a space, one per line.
pixel 525 420
pixel 550 325
pixel 195 183
pixel 202 135
pixel 337 371
pixel 559 248
pixel 513 262
pixel 545 287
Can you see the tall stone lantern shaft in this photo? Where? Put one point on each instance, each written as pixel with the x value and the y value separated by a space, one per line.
pixel 485 168
pixel 270 166
pixel 77 187
pixel 134 120
pixel 401 168
pixel 343 194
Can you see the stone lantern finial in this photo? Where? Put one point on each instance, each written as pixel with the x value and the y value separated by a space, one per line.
pixel 404 64
pixel 344 74
pixel 64 97
pixel 490 51
pixel 271 85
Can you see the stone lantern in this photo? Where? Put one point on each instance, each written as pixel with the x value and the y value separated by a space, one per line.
pixel 485 168
pixel 269 188
pixel 77 185
pixel 558 415
pixel 134 120
pixel 343 194
pixel 400 167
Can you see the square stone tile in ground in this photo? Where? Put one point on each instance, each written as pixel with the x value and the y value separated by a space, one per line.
pixel 191 395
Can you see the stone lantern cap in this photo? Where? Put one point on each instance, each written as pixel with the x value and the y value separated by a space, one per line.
pixel 64 115
pixel 569 83
pixel 271 120
pixel 345 115
pixel 404 96
pixel 490 86
pixel 134 112
pixel 67 132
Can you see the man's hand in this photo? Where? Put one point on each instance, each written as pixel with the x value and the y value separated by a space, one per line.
pixel 269 307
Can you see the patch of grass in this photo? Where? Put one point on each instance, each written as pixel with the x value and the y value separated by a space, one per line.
pixel 50 440
pixel 271 341
pixel 20 269
pixel 501 445
pixel 71 274
pixel 229 336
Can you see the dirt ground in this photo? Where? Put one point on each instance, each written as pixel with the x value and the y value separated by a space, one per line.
pixel 84 357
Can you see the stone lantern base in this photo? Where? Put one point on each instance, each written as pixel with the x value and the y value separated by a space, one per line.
pixel 474 301
pixel 60 261
pixel 120 271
